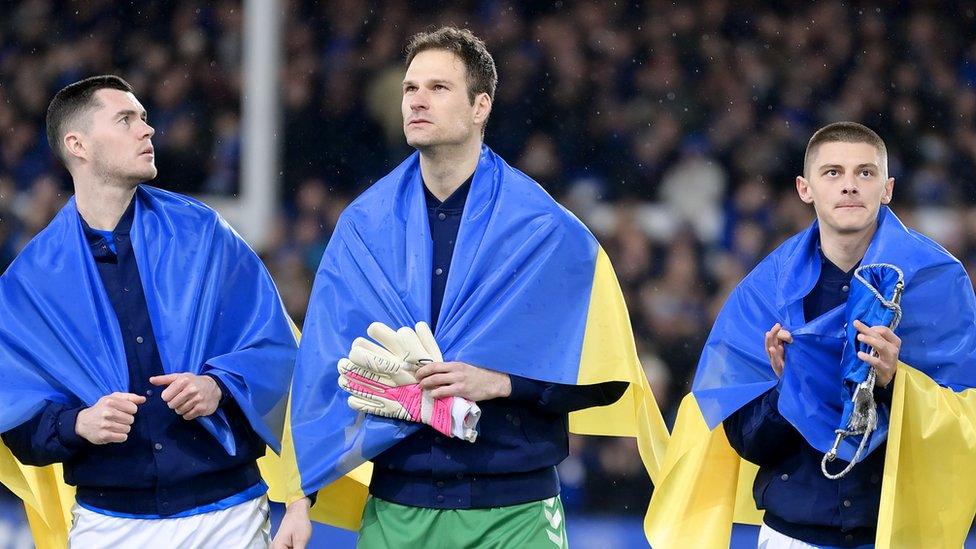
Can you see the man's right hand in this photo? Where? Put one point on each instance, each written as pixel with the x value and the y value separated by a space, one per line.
pixel 776 340
pixel 296 528
pixel 110 419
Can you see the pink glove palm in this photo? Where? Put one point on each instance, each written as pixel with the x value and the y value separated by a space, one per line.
pixel 372 393
pixel 382 383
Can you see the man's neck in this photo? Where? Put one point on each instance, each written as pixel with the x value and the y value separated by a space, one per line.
pixel 446 167
pixel 845 250
pixel 102 204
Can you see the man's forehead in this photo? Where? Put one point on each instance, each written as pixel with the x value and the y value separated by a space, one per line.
pixel 435 64
pixel 118 100
pixel 840 152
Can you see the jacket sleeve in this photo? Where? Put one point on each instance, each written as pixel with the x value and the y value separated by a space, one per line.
pixel 555 398
pixel 48 437
pixel 759 433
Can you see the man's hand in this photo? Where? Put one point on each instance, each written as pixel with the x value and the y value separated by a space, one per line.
pixel 189 395
pixel 886 345
pixel 776 340
pixel 458 379
pixel 110 419
pixel 296 528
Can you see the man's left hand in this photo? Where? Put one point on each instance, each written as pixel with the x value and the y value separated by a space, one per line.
pixel 458 379
pixel 886 345
pixel 189 395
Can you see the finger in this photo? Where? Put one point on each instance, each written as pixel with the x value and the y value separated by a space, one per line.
pixel 174 388
pixel 363 343
pixel 355 374
pixel 114 437
pixel 433 368
pixel 427 339
pixel 120 417
pixel 414 350
pixel 364 403
pixel 130 397
pixel 181 399
pixel 164 379
pixel 888 335
pixel 865 329
pixel 118 428
pixel 386 337
pixel 187 408
pixel 194 413
pixel 344 365
pixel 784 336
pixel 862 327
pixel 870 359
pixel 874 341
pixel 445 391
pixel 438 380
pixel 124 406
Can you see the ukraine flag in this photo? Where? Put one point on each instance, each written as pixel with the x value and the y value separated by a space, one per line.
pixel 530 293
pixel 928 496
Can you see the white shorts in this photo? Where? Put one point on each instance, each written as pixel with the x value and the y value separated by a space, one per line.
pixel 246 526
pixel 771 539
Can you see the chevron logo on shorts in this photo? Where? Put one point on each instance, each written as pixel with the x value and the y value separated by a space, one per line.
pixel 554 520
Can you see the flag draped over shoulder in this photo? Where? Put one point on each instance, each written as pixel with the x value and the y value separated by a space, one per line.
pixel 212 304
pixel 530 292
pixel 938 333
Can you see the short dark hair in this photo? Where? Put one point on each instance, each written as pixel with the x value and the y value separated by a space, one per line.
pixel 74 100
pixel 479 66
pixel 845 132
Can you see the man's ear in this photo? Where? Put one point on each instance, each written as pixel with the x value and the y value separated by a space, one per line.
pixel 482 108
pixel 803 189
pixel 889 191
pixel 74 146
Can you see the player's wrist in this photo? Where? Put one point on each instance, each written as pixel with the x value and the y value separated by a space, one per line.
pixel 302 505
pixel 503 386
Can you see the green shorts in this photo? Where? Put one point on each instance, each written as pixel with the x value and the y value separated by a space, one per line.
pixel 538 524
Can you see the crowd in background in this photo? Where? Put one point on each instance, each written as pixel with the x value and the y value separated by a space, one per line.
pixel 674 130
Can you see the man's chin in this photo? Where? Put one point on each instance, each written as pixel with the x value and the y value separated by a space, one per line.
pixel 148 175
pixel 420 142
pixel 855 227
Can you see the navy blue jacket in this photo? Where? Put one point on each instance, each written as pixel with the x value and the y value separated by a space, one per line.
pixel 799 500
pixel 521 438
pixel 167 465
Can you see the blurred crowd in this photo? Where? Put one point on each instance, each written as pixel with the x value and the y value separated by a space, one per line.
pixel 674 130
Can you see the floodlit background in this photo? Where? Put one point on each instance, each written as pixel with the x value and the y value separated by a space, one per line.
pixel 674 130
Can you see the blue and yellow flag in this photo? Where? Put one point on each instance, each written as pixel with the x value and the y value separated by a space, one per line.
pixel 530 293
pixel 211 302
pixel 938 332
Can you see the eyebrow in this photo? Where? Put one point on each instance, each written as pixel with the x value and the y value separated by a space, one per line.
pixel 838 166
pixel 130 111
pixel 432 81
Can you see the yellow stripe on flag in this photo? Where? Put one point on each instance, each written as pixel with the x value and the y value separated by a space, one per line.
pixel 609 354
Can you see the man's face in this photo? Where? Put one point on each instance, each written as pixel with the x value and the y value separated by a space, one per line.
pixel 436 109
pixel 119 140
pixel 846 185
